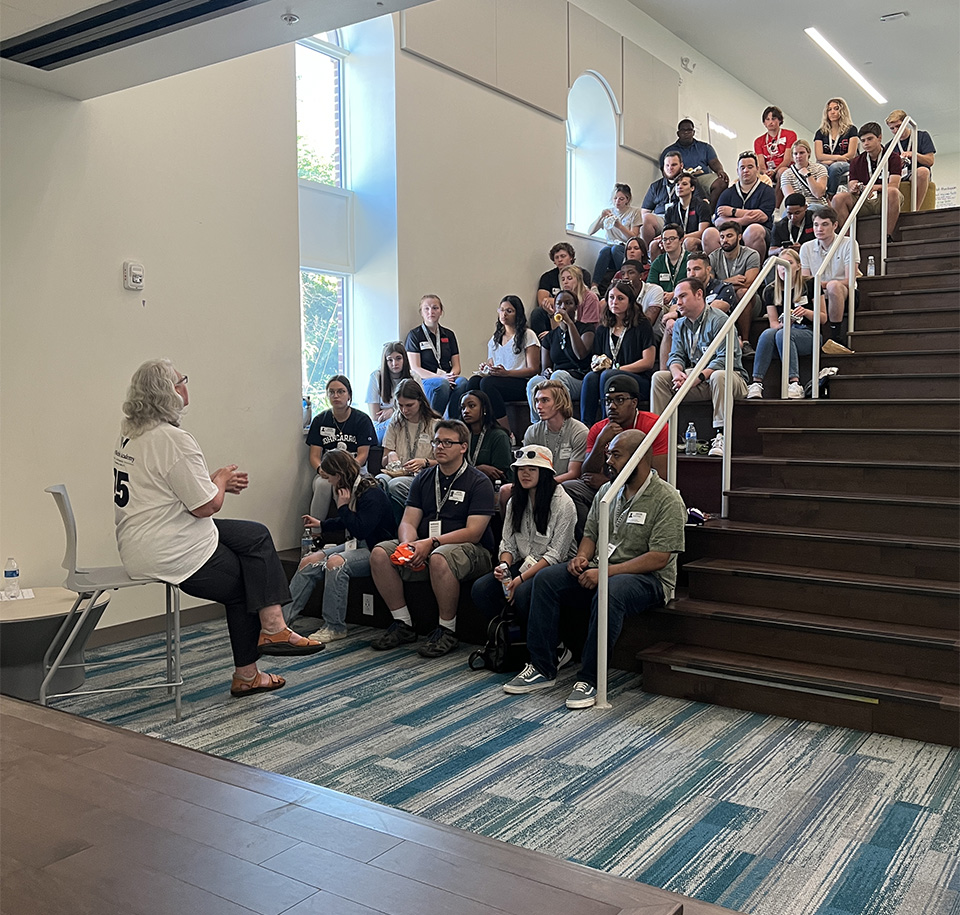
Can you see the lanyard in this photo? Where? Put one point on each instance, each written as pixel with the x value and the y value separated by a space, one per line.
pixel 673 271
pixel 434 348
pixel 743 200
pixel 436 487
pixel 475 452
pixel 800 231
pixel 622 513
pixel 615 347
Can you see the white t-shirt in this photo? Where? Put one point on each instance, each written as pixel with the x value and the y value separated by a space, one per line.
pixel 812 254
pixel 505 355
pixel 159 477
pixel 628 218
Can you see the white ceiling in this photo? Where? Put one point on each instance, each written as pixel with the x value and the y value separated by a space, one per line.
pixel 914 62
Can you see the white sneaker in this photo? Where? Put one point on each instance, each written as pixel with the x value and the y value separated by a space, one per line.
pixel 716 446
pixel 326 634
pixel 794 391
pixel 754 391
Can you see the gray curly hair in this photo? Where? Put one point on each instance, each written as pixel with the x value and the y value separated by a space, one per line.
pixel 151 398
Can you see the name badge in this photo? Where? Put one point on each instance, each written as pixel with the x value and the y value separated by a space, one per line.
pixel 424 345
pixel 611 549
pixel 665 277
pixel 637 518
pixel 423 438
pixel 351 544
pixel 565 453
pixel 328 431
pixel 457 495
pixel 435 528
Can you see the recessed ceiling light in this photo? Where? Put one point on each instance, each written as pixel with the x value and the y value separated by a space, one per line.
pixel 846 66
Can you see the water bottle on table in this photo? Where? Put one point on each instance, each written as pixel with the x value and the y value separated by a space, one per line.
pixel 11 579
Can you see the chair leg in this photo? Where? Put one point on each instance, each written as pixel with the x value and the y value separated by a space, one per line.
pixel 61 633
pixel 173 594
pixel 68 642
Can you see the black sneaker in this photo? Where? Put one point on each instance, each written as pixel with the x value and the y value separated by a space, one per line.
pixel 440 642
pixel 397 634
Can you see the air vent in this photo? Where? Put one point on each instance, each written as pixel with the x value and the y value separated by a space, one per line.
pixel 110 26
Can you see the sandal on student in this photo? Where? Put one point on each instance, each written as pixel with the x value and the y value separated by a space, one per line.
pixel 260 682
pixel 281 643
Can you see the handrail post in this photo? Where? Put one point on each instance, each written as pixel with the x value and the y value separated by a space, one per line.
pixel 884 210
pixel 603 602
pixel 914 165
pixel 731 342
pixel 815 361
pixel 787 328
pixel 672 427
pixel 852 263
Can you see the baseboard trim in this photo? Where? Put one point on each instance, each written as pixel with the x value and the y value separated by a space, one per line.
pixel 151 625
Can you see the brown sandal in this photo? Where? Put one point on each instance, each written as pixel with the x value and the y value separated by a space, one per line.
pixel 239 686
pixel 280 643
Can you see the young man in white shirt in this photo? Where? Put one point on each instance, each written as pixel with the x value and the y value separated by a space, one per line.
pixel 836 276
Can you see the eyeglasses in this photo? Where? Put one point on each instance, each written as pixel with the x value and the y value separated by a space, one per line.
pixel 446 442
pixel 183 380
pixel 618 399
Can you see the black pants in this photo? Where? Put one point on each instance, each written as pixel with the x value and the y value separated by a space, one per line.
pixel 500 390
pixel 244 574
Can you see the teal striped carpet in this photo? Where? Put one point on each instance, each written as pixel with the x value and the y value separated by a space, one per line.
pixel 756 813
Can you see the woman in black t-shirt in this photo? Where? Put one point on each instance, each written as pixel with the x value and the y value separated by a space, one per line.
pixel 835 143
pixel 435 356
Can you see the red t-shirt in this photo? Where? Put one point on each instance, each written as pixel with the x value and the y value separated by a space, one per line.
pixel 644 423
pixel 771 152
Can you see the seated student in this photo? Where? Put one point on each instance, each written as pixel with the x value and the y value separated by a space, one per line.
pixel 489 446
pixel 671 266
pixel 364 512
pixel 341 428
pixel 562 255
pixel 623 343
pixel 620 223
pixel 836 277
pixel 774 148
pixel 738 266
pixel 649 295
pixel 801 331
pixel 688 211
pixel 435 356
pixel 513 358
pixel 407 444
pixel 447 525
pixel 571 280
pixel 622 401
pixel 861 168
pixel 809 179
pixel 537 533
pixel 646 533
pixel 694 331
pixel 700 159
pixel 795 228
pixel 926 153
pixel 658 195
pixel 634 250
pixel 750 203
pixel 721 296
pixel 564 353
pixel 394 367
pixel 835 143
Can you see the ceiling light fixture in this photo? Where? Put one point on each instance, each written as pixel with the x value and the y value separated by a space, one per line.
pixel 290 18
pixel 846 66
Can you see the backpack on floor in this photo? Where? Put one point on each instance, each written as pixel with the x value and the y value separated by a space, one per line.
pixel 506 648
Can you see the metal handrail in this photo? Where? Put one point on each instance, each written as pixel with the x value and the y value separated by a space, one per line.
pixel 667 418
pixel 850 228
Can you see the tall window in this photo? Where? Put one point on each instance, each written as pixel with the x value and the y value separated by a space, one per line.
pixel 322 319
pixel 591 149
pixel 319 153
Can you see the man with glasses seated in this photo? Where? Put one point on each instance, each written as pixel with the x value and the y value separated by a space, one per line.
pixel 646 533
pixel 446 526
pixel 622 403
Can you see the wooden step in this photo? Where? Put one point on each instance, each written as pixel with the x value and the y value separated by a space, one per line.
pixel 856 474
pixel 928 230
pixel 904 707
pixel 873 298
pixel 933 279
pixel 914 385
pixel 901 318
pixel 843 511
pixel 870 362
pixel 927 223
pixel 921 263
pixel 947 242
pixel 889 648
pixel 921 445
pixel 943 340
pixel 839 550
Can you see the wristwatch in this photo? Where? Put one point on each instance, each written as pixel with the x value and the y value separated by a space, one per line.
pixel 435 541
pixel 703 377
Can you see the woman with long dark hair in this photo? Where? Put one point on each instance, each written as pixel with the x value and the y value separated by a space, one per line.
pixel 513 358
pixel 537 532
pixel 394 367
pixel 489 447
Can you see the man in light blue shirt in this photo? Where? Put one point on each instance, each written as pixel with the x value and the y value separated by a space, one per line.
pixel 693 332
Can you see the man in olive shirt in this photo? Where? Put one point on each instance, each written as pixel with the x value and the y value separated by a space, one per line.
pixel 646 533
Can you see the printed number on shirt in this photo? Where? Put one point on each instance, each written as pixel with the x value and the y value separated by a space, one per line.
pixel 121 487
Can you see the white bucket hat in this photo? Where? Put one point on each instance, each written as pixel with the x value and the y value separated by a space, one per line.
pixel 534 456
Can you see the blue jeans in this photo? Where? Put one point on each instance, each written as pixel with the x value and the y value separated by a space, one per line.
pixel 609 261
pixel 555 586
pixel 336 585
pixel 573 385
pixel 440 394
pixel 591 395
pixel 837 173
pixel 801 344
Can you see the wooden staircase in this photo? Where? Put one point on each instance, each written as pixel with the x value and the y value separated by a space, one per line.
pixel 832 591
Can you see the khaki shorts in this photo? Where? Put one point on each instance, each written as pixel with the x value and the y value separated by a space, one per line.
pixel 874 206
pixel 466 560
pixel 705 181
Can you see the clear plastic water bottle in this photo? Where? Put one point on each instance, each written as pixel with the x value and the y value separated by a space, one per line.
pixel 307 412
pixel 690 440
pixel 306 542
pixel 11 579
pixel 871 266
pixel 506 581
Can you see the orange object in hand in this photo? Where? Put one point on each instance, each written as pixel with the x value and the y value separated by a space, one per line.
pixel 402 555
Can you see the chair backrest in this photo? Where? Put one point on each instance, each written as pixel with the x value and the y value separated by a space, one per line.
pixel 59 493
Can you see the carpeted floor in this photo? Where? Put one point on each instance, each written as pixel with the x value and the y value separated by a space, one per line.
pixel 757 813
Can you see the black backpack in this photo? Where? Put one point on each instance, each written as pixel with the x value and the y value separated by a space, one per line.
pixel 506 648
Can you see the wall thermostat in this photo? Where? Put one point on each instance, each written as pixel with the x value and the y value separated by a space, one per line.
pixel 132 275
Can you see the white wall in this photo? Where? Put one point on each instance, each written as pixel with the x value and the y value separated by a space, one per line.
pixel 195 176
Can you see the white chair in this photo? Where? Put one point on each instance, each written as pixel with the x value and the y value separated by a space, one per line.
pixel 90 584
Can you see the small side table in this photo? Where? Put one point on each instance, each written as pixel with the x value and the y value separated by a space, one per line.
pixel 27 628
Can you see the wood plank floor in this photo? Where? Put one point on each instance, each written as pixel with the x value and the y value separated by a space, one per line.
pixel 95 819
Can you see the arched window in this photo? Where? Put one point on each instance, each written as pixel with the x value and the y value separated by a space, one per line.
pixel 591 149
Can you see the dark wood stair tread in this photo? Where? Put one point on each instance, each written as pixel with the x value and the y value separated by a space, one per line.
pixel 864 580
pixel 874 630
pixel 843 462
pixel 895 293
pixel 817 676
pixel 835 430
